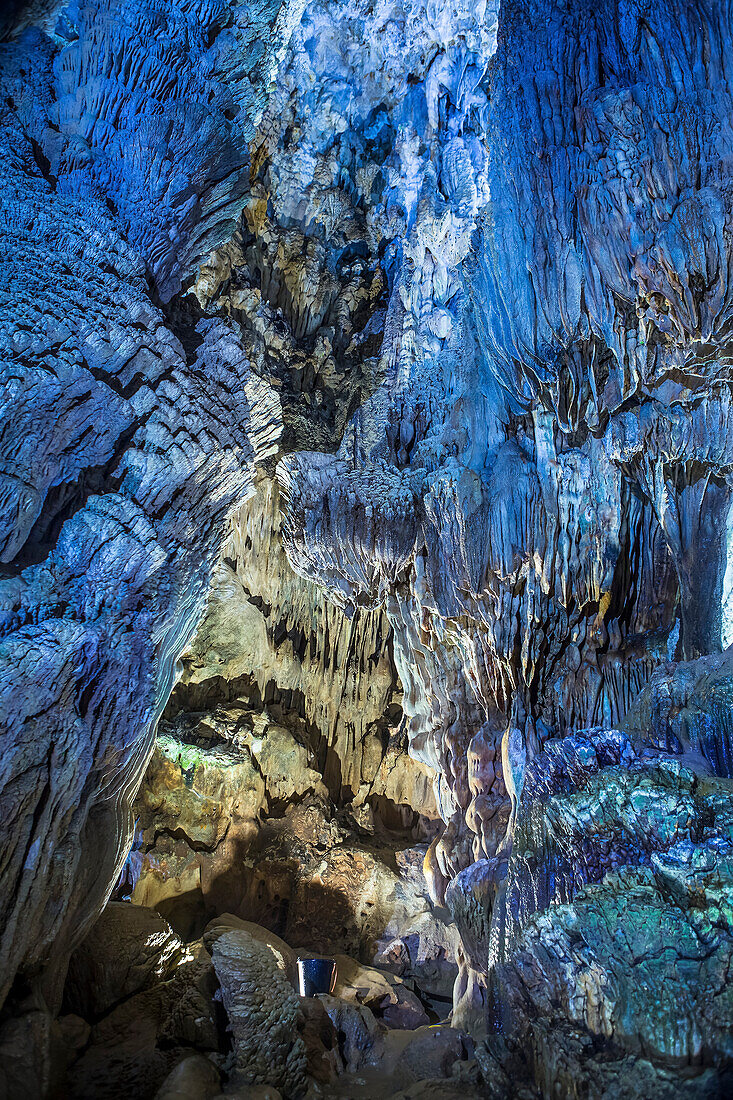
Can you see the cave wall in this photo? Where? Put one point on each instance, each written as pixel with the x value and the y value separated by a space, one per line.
pixel 568 489
pixel 538 491
pixel 129 432
pixel 273 639
pixel 280 789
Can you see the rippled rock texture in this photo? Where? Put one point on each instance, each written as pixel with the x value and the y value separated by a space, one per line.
pixel 389 346
pixel 613 919
pixel 128 434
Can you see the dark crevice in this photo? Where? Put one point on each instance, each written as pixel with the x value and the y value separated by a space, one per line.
pixel 43 163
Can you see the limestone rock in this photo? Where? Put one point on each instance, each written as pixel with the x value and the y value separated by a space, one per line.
pixel 271 636
pixel 194 1078
pixel 321 1041
pixel 285 957
pixel 615 920
pixel 263 1012
pixel 686 708
pixel 446 291
pixel 361 1038
pixel 236 817
pixel 122 167
pixel 136 1045
pixel 30 1063
pixel 386 994
pixel 426 1053
pixel 128 949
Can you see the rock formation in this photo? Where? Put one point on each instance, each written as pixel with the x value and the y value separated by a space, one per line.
pixel 123 449
pixel 365 529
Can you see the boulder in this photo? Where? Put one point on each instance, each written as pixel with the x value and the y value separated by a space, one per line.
pixel 387 995
pixel 426 1053
pixel 128 949
pixel 406 1013
pixel 321 1041
pixel 360 1035
pixel 195 1078
pixel 227 922
pixel 136 1045
pixel 263 1012
pixel 363 984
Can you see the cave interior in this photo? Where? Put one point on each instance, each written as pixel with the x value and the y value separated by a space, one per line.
pixel 366 549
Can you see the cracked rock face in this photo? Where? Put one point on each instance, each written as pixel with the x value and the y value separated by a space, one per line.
pixel 367 542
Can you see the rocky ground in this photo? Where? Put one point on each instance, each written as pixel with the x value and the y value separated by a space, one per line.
pixel 148 1015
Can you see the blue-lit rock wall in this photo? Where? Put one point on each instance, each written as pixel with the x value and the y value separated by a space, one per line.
pixel 128 432
pixel 539 489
